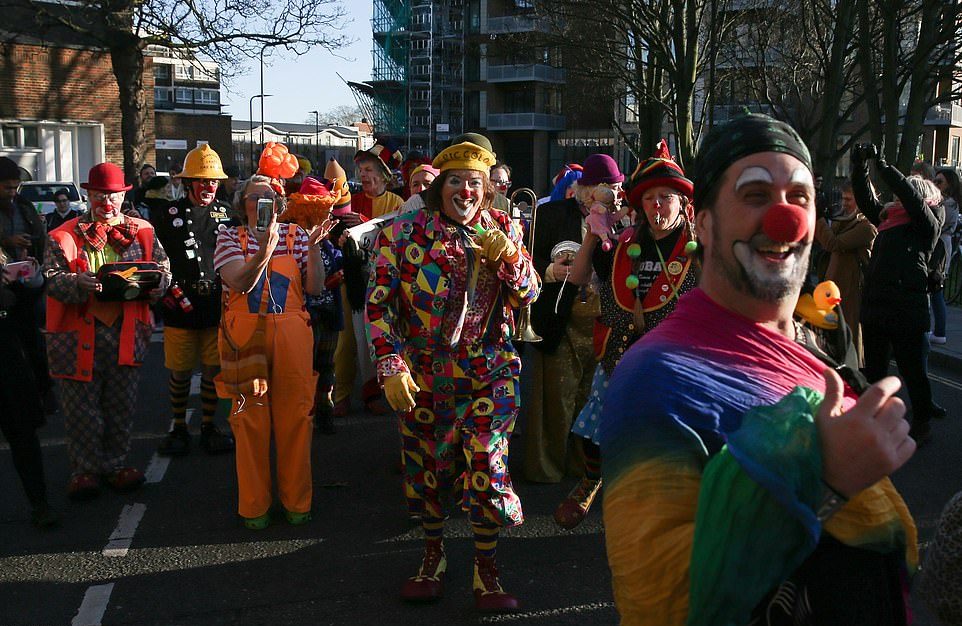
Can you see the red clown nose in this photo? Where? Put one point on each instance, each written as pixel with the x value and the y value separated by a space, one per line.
pixel 785 223
pixel 465 193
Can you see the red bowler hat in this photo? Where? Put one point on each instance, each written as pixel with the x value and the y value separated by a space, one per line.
pixel 106 177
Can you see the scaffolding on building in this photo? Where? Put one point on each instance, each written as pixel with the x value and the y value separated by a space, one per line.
pixel 416 93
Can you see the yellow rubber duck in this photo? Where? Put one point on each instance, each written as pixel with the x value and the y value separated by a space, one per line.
pixel 818 308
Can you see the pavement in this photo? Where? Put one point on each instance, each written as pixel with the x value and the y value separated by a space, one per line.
pixel 175 553
pixel 949 355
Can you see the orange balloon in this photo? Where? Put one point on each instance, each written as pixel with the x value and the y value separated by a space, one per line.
pixel 289 167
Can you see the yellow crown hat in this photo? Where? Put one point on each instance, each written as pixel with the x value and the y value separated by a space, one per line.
pixel 464 156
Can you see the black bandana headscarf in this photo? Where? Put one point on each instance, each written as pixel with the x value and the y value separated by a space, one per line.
pixel 745 135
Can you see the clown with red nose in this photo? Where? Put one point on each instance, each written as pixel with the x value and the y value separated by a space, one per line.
pixel 188 230
pixel 441 341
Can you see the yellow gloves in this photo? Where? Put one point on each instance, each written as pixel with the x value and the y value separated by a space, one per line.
pixel 495 246
pixel 399 390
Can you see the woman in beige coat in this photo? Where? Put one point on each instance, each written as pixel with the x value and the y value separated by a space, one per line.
pixel 849 240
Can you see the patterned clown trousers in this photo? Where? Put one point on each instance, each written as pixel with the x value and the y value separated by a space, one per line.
pixel 455 441
pixel 98 415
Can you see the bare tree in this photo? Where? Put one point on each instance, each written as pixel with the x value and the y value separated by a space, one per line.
pixel 224 31
pixel 909 55
pixel 341 115
pixel 801 67
pixel 658 52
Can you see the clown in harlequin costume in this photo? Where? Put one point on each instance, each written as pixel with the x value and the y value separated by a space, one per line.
pixel 746 468
pixel 439 310
pixel 188 230
pixel 95 347
pixel 640 282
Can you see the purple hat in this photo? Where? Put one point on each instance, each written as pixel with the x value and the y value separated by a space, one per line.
pixel 600 168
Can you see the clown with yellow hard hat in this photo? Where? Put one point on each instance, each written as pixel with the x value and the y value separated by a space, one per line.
pixel 188 230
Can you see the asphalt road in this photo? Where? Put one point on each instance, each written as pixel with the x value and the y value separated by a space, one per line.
pixel 176 554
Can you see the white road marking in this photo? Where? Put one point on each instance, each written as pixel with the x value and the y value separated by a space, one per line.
pixel 93 567
pixel 945 381
pixel 94 605
pixel 567 610
pixel 123 535
pixel 948 382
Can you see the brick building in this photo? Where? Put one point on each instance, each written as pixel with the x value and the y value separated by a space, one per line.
pixel 59 106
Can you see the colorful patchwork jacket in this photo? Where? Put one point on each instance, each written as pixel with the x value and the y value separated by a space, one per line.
pixel 409 293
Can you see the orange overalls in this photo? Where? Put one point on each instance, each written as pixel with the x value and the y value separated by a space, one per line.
pixel 285 409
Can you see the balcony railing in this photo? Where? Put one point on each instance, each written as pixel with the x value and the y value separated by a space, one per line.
pixel 514 24
pixel 944 115
pixel 525 121
pixel 519 73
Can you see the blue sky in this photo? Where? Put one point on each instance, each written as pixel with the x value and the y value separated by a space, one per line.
pixel 305 83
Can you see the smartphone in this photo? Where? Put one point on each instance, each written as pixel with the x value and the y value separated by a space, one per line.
pixel 265 210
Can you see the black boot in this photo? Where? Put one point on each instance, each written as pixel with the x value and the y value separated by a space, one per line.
pixel 213 441
pixel 176 443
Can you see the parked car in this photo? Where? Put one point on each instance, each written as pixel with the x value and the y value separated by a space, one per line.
pixel 40 193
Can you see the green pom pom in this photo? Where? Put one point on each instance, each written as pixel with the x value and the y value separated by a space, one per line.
pixel 631 282
pixel 691 246
pixel 634 251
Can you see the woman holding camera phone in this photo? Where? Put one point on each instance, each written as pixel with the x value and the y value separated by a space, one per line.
pixel 895 306
pixel 274 264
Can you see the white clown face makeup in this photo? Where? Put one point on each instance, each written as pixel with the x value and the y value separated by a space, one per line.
pixel 462 194
pixel 737 249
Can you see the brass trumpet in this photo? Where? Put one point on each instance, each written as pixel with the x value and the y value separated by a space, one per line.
pixel 519 211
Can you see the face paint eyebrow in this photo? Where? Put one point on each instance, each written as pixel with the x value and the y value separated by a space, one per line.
pixel 802 176
pixel 753 174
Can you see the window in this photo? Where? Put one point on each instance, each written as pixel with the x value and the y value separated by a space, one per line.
pixel 162 94
pixel 31 137
pixel 21 137
pixel 161 71
pixel 207 96
pixel 185 72
pixel 184 95
pixel 955 150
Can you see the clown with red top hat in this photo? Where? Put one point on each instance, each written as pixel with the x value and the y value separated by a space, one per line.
pixel 97 338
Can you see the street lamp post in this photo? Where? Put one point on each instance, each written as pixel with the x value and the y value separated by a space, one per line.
pixel 317 147
pixel 263 49
pixel 250 112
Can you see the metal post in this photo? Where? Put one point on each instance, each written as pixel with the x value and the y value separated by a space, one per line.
pixel 250 111
pixel 263 48
pixel 317 147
